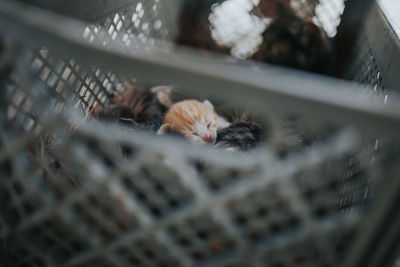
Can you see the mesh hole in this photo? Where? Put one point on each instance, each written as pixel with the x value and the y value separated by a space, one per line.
pixel 146 252
pixel 158 189
pixel 202 239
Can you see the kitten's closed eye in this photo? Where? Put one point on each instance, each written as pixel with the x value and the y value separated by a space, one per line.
pixel 195 120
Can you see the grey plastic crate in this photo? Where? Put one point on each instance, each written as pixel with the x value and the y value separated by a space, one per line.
pixel 70 198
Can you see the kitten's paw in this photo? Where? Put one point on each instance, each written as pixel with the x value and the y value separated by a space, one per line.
pixel 165 128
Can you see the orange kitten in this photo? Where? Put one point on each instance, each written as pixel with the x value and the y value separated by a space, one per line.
pixel 195 120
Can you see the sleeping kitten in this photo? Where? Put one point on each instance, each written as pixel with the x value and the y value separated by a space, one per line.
pixel 196 121
pixel 137 108
pixel 241 135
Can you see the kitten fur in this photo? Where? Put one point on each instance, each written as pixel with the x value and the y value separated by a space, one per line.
pixel 244 133
pixel 196 121
pixel 136 107
pixel 122 115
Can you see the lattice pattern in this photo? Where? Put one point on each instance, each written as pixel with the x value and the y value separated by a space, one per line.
pixel 20 253
pixel 158 189
pixel 17 202
pixel 137 27
pixel 365 69
pixel 265 217
pixel 21 107
pixel 190 222
pixel 202 239
pixel 85 199
pixel 145 252
pixel 63 75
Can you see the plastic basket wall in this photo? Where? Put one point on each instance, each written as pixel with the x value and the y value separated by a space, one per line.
pixel 375 55
pixel 69 197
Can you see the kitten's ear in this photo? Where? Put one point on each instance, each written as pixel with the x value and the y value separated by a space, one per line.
pixel 163 94
pixel 165 128
pixel 222 123
pixel 208 104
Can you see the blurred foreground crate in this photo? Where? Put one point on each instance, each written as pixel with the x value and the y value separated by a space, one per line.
pixel 68 197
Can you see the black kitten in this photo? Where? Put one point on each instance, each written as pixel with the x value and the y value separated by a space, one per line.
pixel 241 135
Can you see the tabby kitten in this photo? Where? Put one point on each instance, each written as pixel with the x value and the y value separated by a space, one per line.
pixel 241 135
pixel 136 107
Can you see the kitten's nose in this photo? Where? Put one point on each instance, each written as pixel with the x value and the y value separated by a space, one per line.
pixel 207 138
